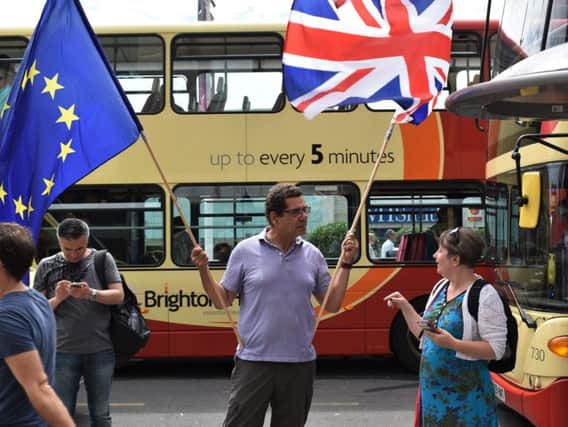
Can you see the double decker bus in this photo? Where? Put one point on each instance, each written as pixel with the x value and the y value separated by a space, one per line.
pixel 527 197
pixel 211 101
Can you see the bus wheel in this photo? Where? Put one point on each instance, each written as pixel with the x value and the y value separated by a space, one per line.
pixel 403 343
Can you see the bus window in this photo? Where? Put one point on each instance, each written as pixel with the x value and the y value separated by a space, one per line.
pixel 138 62
pixel 496 215
pixel 558 32
pixel 217 214
pixel 521 32
pixel 126 220
pixel 214 73
pixel 528 246
pixel 418 215
pixel 223 215
pixel 11 53
pixel 333 208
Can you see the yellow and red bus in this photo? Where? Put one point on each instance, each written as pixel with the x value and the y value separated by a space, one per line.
pixel 527 197
pixel 211 101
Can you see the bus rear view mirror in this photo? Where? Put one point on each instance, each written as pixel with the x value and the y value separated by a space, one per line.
pixel 529 210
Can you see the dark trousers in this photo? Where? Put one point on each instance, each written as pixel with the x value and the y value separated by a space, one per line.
pixel 288 387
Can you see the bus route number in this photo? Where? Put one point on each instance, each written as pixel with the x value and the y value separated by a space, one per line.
pixel 537 354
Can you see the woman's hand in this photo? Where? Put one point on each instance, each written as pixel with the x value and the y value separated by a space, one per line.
pixel 442 338
pixel 411 317
pixel 396 300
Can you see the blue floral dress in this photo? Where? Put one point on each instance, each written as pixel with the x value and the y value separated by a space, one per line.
pixel 453 392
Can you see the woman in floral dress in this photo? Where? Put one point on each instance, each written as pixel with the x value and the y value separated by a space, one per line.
pixel 455 386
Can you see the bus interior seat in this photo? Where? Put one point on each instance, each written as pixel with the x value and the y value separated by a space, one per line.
pixel 156 98
pixel 220 98
pixel 415 247
pixel 279 103
pixel 246 103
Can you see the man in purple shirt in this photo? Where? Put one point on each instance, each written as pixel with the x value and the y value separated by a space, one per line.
pixel 275 274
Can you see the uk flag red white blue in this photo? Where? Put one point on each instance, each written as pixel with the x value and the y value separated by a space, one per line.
pixel 345 52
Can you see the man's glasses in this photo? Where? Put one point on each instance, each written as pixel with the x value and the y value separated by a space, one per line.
pixel 299 211
pixel 455 235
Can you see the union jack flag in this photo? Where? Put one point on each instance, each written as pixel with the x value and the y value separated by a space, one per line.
pixel 344 52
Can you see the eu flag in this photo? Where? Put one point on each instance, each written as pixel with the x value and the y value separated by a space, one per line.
pixel 65 116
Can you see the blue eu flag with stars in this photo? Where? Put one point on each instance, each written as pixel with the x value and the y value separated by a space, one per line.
pixel 65 116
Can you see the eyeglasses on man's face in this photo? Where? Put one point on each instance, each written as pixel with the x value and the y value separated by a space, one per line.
pixel 298 211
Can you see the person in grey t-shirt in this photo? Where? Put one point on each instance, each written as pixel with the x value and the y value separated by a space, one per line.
pixel 275 274
pixel 82 310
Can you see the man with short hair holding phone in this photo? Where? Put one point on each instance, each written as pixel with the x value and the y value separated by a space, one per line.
pixel 82 309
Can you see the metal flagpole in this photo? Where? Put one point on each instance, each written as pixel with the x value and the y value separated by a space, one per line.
pixel 191 236
pixel 386 139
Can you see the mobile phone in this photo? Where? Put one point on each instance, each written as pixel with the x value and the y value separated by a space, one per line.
pixel 427 325
pixel 76 284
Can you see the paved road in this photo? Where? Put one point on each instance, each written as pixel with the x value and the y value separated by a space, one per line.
pixel 348 392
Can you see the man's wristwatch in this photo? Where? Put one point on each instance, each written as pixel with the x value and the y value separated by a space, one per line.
pixel 93 296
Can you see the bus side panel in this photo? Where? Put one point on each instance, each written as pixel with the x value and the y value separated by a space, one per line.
pixel 543 408
pixel 205 342
pixel 158 344
pixel 466 147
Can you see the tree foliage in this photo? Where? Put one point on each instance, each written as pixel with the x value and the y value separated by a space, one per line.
pixel 328 238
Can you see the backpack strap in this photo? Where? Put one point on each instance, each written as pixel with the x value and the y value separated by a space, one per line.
pixel 100 259
pixel 438 287
pixel 473 298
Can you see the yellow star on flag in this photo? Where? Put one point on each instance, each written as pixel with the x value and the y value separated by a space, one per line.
pixel 5 107
pixel 32 72
pixel 67 116
pixel 52 85
pixel 30 208
pixel 65 150
pixel 2 193
pixel 24 80
pixel 49 183
pixel 20 207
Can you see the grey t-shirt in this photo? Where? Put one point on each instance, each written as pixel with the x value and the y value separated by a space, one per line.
pixel 82 325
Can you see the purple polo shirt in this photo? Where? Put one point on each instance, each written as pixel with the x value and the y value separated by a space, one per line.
pixel 276 313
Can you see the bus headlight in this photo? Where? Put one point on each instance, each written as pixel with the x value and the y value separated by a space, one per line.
pixel 559 346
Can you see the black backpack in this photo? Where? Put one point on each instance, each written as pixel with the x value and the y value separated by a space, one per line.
pixel 128 329
pixel 507 362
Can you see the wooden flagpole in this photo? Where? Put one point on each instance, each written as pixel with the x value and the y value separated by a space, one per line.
pixel 386 139
pixel 190 234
